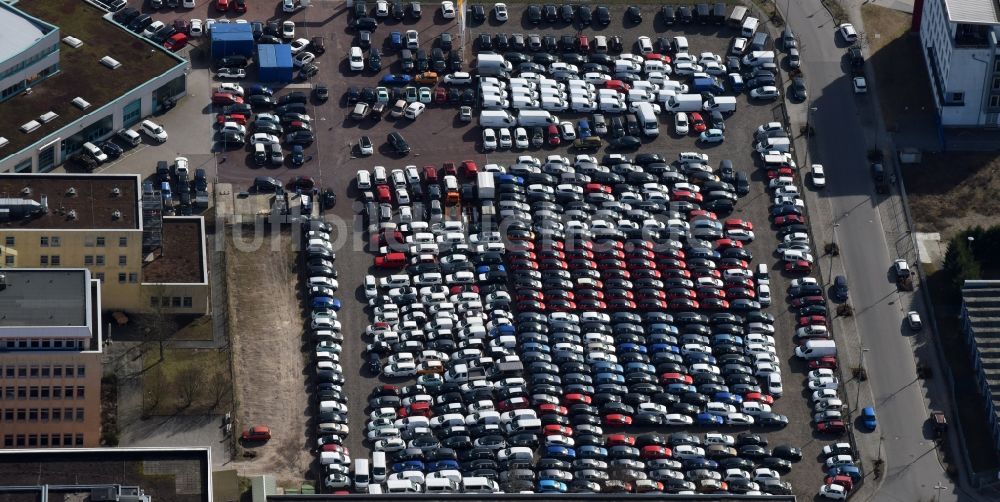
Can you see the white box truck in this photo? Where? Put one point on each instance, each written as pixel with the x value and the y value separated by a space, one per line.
pixel 647 119
pixel 815 349
pixel 684 103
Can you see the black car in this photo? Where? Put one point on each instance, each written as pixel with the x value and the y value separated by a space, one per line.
pixel 668 14
pixel 232 139
pixel 140 23
pixel 633 14
pixel 484 42
pixel 308 71
pixel 445 41
pixel 799 88
pixel 787 452
pixel 298 156
pixel 685 15
pixel 321 92
pixel 603 15
pixel 478 13
pixel 584 14
pixel 398 143
pixel 374 59
pixel 415 10
pixel 551 13
pixel 300 138
pixel 534 14
pixel 111 149
pixel 233 62
pixel 626 143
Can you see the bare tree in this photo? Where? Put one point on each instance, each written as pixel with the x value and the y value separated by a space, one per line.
pixel 162 325
pixel 189 384
pixel 220 387
pixel 152 391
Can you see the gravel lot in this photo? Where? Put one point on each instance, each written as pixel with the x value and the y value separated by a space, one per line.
pixel 434 138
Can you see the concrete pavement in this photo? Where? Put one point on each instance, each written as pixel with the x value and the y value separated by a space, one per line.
pixel 871 232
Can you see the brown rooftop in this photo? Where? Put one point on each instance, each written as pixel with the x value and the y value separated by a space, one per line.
pixel 91 204
pixel 81 73
pixel 181 260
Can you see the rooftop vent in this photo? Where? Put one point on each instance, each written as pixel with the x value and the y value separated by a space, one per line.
pixel 116 215
pixel 30 126
pixel 71 192
pixel 81 103
pixel 72 41
pixel 71 214
pixel 26 192
pixel 115 192
pixel 48 117
pixel 110 62
pixel 3 141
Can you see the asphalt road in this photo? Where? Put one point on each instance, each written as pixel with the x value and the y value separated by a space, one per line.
pixel 841 120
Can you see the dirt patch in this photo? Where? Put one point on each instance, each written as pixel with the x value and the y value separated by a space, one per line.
pixel 200 329
pixel 951 192
pixel 903 84
pixel 185 382
pixel 266 325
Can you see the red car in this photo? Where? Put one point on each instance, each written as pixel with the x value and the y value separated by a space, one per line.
pixel 617 419
pixel 841 480
pixel 799 267
pixel 514 403
pixel 239 118
pixel 812 320
pixel 596 187
pixel 430 174
pixel 553 134
pixel 572 399
pixel 727 243
pixel 790 219
pixel 808 300
pixel 699 213
pixel 582 43
pixel 420 409
pixel 654 451
pixel 621 439
pixel 239 6
pixel 758 397
pixel 449 169
pixel 176 42
pixel 831 427
pixel 440 95
pixel 827 362
pixel 780 172
pixel 617 85
pixel 225 98
pixel 698 123
pixel 222 5
pixel 669 378
pixel 256 433
pixel 553 408
pixel 557 430
pixel 469 168
pixel 383 193
pixel 336 447
pixel 737 223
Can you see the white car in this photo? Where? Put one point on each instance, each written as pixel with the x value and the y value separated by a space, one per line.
pixel 506 141
pixel 500 12
pixel 645 45
pixel 566 131
pixel 234 73
pixel 288 6
pixel 304 58
pixel 154 130
pixel 458 78
pixel 818 176
pixel 489 140
pixel 195 29
pixel 389 445
pixel 833 492
pixel 371 287
pixel 357 59
pixel 299 45
pixel 848 33
pixel 412 38
pixel 400 369
pixel 860 85
pixel 712 136
pixel 288 30
pixel 824 383
pixel 521 140
pixel 681 123
pixel 264 138
pixel 764 92
pixel 739 46
pixel 366 146
pixel 448 9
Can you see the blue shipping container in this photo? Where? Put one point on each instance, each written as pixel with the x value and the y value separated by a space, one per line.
pixel 232 39
pixel 274 63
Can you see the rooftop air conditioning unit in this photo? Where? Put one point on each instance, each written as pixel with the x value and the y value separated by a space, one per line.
pixel 30 126
pixel 110 62
pixel 71 192
pixel 71 214
pixel 3 141
pixel 26 192
pixel 115 192
pixel 116 215
pixel 48 117
pixel 72 41
pixel 81 103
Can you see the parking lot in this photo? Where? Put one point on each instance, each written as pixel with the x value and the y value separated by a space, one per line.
pixel 437 137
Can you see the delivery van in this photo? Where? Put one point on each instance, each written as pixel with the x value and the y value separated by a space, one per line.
pixel 379 470
pixel 684 103
pixel 749 27
pixel 535 118
pixel 814 349
pixel 724 104
pixel 496 118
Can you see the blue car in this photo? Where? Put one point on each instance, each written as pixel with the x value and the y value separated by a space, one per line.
pixel 485 269
pixel 700 463
pixel 868 418
pixel 680 388
pixel 583 129
pixel 509 178
pixel 846 470
pixel 631 347
pixel 699 357
pixel 551 486
pixel 396 79
pixel 259 90
pixel 409 465
pixel 707 419
pixel 592 451
pixel 396 40
pixel 503 329
pixel 726 397
pixel 442 465
pixel 665 347
pixel 325 302
pixel 561 453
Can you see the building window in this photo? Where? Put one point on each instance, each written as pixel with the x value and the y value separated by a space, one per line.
pixel 122 260
pixel 45 369
pixel 88 260
pixel 80 391
pixel 994 101
pixel 57 392
pixel 996 83
pixel 70 371
pixel 133 277
pixel 996 64
pixel 46 391
pixel 8 392
pixel 68 392
pixel 44 242
pixel 955 98
pixel 8 415
pixel 56 414
pixel 33 415
pixel 55 241
pixel 8 440
pixel 43 260
pixel 32 439
pixel 55 260
pixel 123 242
pixel 100 260
pixel 175 301
pixel 43 440
pixel 33 393
pixel 79 414
pixel 8 241
pixel 9 260
pixel 56 440
pixel 122 277
pixel 20 439
pixel 100 242
pixel 24 166
pixel 22 371
pixel 33 371
pixel 57 371
pixel 9 371
pixel 81 371
pixel 67 439
pixel 21 414
pixel 154 301
pixel 22 392
pixel 187 301
pixel 79 440
pixel 100 276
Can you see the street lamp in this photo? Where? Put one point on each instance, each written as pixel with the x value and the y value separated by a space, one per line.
pixel 971 240
pixel 857 398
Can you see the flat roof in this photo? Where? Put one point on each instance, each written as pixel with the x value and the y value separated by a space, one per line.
pixel 973 11
pixel 180 261
pixel 164 474
pixel 18 34
pixel 81 73
pixel 43 297
pixel 92 203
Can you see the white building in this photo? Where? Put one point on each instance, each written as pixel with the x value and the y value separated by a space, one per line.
pixel 959 39
pixel 56 93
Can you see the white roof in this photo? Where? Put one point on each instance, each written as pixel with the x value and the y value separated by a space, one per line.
pixel 973 11
pixel 18 34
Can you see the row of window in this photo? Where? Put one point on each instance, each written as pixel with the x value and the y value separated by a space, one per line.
pixel 42 414
pixel 28 62
pixel 43 392
pixel 39 371
pixel 36 343
pixel 170 301
pixel 43 440
pixel 91 260
pixel 55 241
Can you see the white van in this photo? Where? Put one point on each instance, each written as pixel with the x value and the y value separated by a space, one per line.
pixel 749 27
pixel 724 104
pixel 758 58
pixel 95 152
pixel 496 118
pixel 814 349
pixel 781 145
pixel 684 103
pixel 361 475
pixel 379 470
pixel 442 485
pixel 535 118
pixel 478 484
pixel 131 137
pixel 401 486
